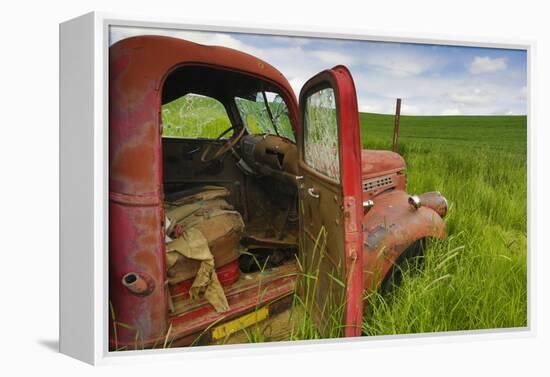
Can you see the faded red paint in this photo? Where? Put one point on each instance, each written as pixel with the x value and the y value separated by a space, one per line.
pixel 138 68
pixel 389 228
pixel 376 163
pixel 137 250
pixel 348 114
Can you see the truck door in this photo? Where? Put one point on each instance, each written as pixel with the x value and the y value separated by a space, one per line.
pixel 331 209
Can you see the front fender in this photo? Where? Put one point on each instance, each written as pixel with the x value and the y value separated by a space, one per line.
pixel 389 228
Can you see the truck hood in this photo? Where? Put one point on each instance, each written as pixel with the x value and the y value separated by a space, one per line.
pixel 375 163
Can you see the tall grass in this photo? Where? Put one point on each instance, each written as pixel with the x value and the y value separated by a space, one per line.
pixel 477 277
pixel 308 300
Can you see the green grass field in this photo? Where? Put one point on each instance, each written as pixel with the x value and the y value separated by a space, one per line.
pixel 477 278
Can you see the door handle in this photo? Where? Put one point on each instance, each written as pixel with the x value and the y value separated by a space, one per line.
pixel 313 193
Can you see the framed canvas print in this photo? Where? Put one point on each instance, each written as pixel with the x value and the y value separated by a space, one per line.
pixel 262 186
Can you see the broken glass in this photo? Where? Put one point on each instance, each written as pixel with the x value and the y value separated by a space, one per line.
pixel 321 134
pixel 258 119
pixel 195 116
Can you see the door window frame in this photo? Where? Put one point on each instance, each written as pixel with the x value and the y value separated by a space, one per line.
pixel 308 94
pixel 323 83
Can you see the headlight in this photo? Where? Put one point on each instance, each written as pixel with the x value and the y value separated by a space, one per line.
pixel 435 201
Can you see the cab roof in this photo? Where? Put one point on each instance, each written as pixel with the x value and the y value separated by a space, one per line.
pixel 145 61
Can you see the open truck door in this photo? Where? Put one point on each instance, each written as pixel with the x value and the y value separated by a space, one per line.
pixel 331 209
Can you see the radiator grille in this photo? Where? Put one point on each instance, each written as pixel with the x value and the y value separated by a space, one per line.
pixel 378 183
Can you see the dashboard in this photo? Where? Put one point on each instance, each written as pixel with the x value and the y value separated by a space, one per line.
pixel 270 155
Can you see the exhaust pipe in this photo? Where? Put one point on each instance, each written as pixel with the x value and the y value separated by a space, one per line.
pixel 138 283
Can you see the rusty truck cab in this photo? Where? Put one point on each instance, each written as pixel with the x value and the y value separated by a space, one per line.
pixel 185 118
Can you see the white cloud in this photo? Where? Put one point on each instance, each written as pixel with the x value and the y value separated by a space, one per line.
pixel 522 95
pixel 447 94
pixel 452 111
pixel 407 109
pixel 401 63
pixel 296 83
pixel 295 41
pixel 332 57
pixel 484 64
pixel 473 96
pixel 377 108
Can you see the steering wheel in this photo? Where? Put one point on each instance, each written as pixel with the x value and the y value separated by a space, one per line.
pixel 230 143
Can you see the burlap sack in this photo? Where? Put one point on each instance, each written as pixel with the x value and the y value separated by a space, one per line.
pixel 222 232
pixel 207 236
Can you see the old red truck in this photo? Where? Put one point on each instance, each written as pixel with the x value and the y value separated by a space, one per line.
pixel 292 171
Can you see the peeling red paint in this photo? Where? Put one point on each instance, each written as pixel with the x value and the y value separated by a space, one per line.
pixel 390 227
pixel 376 163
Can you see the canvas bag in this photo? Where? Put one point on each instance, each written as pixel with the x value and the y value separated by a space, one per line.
pixel 210 239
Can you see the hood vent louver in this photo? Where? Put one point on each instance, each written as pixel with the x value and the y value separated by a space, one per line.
pixel 376 184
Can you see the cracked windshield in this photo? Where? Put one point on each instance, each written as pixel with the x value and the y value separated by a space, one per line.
pixel 195 116
pixel 265 113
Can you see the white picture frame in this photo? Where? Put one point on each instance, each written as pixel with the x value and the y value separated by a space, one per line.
pixel 84 46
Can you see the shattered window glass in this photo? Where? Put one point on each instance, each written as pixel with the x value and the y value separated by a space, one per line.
pixel 259 119
pixel 195 116
pixel 321 134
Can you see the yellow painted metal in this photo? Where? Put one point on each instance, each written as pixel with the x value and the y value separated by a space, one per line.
pixel 240 323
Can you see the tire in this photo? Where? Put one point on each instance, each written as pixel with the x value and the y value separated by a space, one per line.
pixel 412 256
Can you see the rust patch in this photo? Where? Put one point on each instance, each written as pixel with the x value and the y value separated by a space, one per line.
pixel 132 165
pixel 350 214
pixel 391 226
pixel 377 236
pixel 376 163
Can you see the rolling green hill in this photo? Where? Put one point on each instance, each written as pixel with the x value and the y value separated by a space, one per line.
pixel 496 132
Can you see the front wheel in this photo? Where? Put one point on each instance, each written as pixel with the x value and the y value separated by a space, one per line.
pixel 412 256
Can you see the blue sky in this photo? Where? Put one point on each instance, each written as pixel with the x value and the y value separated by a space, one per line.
pixel 431 79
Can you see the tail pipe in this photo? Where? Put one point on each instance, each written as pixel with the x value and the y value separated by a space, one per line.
pixel 433 200
pixel 138 283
